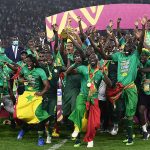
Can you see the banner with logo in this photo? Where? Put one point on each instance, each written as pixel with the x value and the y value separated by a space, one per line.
pixel 99 16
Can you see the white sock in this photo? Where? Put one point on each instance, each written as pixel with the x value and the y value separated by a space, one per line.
pixel 144 128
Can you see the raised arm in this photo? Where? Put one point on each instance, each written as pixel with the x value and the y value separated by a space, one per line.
pixel 13 66
pixel 77 38
pixel 118 28
pixel 80 28
pixel 140 46
pixel 62 47
pixel 78 46
pixel 100 50
pixel 137 32
pixel 107 80
pixel 71 69
pixel 111 33
pixel 136 25
pixel 55 31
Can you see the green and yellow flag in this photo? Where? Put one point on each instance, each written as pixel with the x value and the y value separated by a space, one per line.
pixel 58 60
pixel 29 108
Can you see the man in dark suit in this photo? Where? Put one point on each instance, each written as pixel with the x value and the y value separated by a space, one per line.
pixel 43 39
pixel 14 52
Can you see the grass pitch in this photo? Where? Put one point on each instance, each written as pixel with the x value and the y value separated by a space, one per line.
pixel 103 141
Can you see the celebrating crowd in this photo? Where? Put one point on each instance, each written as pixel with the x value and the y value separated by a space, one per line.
pixel 103 80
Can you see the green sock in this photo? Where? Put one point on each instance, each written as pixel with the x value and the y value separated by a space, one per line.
pixel 40 133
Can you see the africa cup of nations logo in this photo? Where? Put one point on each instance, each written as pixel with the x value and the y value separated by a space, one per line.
pixel 90 17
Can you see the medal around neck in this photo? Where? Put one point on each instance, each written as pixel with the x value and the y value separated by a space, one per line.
pixel 55 70
pixel 50 78
pixel 88 84
pixel 25 83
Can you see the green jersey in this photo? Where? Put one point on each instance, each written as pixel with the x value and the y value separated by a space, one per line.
pixel 2 50
pixel 29 52
pixel 127 66
pixel 83 71
pixel 5 73
pixel 122 41
pixel 4 58
pixel 21 64
pixel 147 39
pixel 20 84
pixel 34 54
pixel 52 73
pixel 34 78
pixel 147 65
pixel 4 77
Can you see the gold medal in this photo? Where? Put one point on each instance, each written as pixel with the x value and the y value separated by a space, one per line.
pixel 89 84
pixel 146 87
pixel 50 78
pixel 55 70
pixel 25 83
pixel 50 74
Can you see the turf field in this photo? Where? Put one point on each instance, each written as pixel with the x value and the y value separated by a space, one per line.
pixel 103 141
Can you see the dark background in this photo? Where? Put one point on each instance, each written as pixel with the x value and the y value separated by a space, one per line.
pixel 24 18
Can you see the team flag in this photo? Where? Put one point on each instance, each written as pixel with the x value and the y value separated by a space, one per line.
pixel 29 108
pixel 58 59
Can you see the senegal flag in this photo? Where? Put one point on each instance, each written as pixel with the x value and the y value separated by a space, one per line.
pixel 58 60
pixel 29 108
